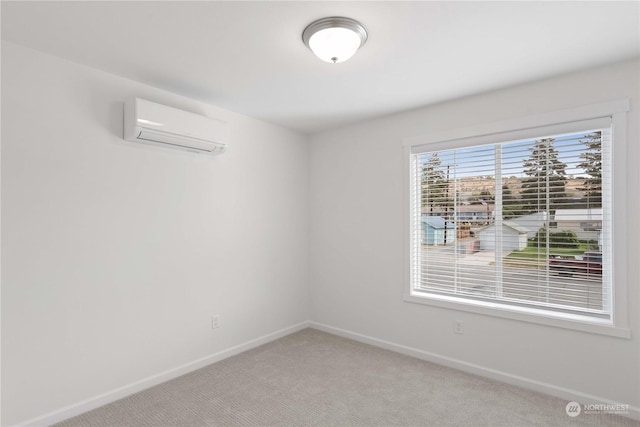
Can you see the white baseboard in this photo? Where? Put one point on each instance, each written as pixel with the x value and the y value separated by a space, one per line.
pixel 113 395
pixel 541 387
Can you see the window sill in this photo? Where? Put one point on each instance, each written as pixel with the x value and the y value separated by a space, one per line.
pixel 525 314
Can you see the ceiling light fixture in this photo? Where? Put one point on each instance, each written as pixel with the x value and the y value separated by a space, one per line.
pixel 334 39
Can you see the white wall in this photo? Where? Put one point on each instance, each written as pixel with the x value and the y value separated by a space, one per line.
pixel 115 256
pixel 357 225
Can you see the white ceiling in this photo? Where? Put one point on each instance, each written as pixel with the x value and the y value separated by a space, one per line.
pixel 248 57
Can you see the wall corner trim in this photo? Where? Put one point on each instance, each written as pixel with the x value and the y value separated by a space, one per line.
pixel 124 391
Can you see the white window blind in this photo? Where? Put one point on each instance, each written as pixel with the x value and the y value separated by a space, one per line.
pixel 521 219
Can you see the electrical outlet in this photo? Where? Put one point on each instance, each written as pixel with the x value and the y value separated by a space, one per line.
pixel 458 327
pixel 215 321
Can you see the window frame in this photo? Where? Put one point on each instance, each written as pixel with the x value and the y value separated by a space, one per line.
pixel 512 129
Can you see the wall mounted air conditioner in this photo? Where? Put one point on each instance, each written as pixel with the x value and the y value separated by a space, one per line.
pixel 151 123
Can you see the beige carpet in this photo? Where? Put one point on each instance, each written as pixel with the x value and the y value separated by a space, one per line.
pixel 311 378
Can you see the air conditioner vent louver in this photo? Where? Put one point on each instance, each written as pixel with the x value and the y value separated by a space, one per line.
pixel 151 123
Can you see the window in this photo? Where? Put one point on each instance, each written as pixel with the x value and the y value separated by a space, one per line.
pixel 516 222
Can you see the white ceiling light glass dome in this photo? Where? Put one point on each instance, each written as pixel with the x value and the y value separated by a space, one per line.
pixel 334 39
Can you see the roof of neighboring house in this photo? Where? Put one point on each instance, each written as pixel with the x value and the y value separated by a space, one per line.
pixel 436 222
pixel 520 229
pixel 534 220
pixel 592 214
